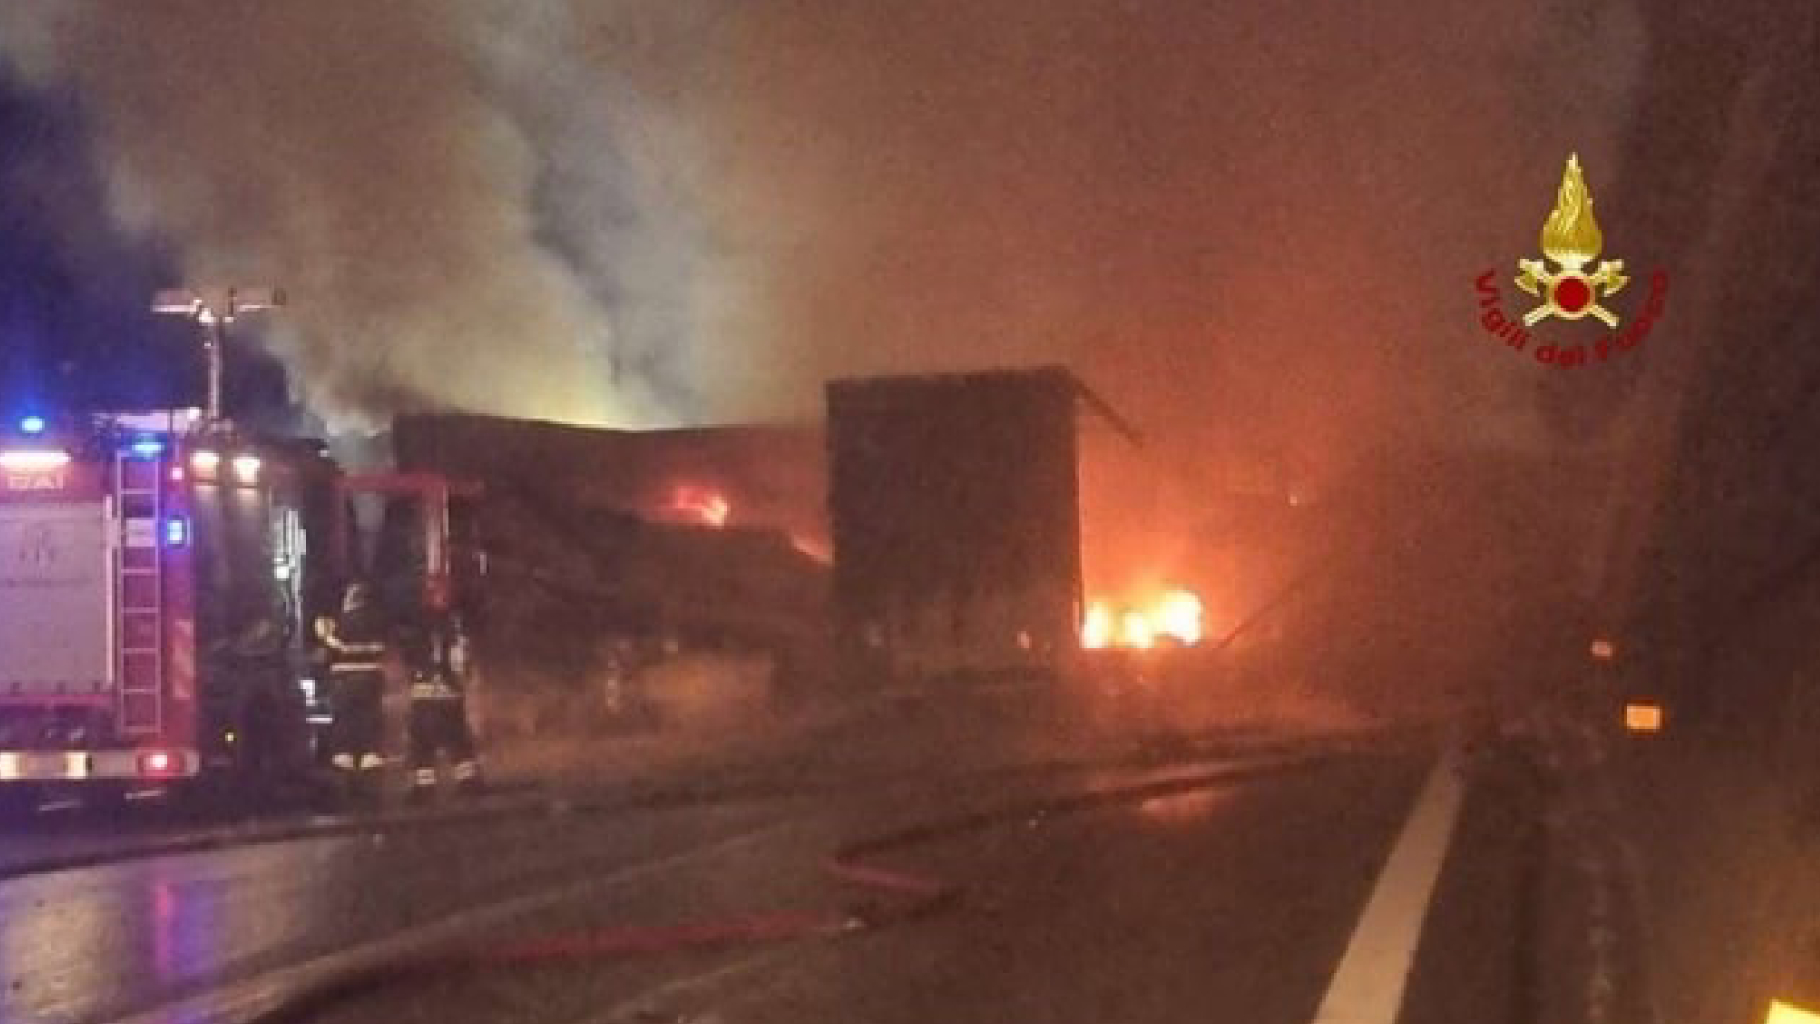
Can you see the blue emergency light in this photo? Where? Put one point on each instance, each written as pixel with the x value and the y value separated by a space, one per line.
pixel 147 447
pixel 32 425
pixel 176 532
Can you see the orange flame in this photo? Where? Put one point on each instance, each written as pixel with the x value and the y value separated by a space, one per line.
pixel 1178 614
pixel 702 504
pixel 1175 615
pixel 1135 630
pixel 1096 631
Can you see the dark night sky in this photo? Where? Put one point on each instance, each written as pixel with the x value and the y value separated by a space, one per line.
pixel 75 332
pixel 72 289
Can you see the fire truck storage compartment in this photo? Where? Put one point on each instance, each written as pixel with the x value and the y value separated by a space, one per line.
pixel 236 553
pixel 56 601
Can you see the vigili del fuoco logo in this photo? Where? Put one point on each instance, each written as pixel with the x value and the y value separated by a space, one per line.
pixel 1567 290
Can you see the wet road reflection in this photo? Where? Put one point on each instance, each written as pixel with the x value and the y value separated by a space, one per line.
pixel 92 943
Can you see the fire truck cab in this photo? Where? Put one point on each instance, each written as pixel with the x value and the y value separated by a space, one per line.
pixel 155 583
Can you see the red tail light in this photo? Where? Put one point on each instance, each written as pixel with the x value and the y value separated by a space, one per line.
pixel 159 763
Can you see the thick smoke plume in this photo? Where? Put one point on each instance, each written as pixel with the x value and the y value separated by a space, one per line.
pixel 1250 226
pixel 1247 224
pixel 461 208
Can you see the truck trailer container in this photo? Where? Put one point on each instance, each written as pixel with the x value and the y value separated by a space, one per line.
pixel 954 506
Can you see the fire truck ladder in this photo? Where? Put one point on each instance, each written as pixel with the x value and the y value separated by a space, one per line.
pixel 139 483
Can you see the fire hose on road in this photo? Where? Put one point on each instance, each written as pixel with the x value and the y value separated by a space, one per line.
pixel 898 895
pixel 892 895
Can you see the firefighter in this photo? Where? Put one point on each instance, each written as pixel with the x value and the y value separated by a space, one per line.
pixel 439 709
pixel 356 643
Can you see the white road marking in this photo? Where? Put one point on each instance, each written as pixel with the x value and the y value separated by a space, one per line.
pixel 659 1002
pixel 263 994
pixel 1367 987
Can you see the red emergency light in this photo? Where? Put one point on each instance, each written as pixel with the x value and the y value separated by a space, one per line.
pixel 158 764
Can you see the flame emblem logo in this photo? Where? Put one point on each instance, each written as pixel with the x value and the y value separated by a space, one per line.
pixel 1571 238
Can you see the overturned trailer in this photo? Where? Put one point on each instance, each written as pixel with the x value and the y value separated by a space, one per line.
pixel 612 552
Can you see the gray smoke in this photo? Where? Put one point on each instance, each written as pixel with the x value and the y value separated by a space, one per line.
pixel 465 212
pixel 1242 222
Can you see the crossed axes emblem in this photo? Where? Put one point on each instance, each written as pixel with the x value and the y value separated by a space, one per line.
pixel 1571 294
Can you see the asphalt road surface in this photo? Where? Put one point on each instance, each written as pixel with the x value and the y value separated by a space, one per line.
pixel 1254 878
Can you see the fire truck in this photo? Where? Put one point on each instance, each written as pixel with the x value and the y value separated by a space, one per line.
pixel 159 573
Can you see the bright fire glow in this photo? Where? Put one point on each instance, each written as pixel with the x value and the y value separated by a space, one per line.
pixel 1788 1013
pixel 1096 631
pixel 1135 630
pixel 33 462
pixel 816 549
pixel 1176 615
pixel 703 504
